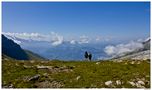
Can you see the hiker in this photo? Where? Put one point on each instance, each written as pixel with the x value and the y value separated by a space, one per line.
pixel 86 55
pixel 90 56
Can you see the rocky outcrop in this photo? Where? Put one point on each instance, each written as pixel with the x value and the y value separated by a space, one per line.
pixel 140 54
pixel 49 84
pixel 56 69
pixel 144 55
pixel 36 77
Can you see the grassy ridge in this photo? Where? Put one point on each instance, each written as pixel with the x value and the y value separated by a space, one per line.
pixel 74 74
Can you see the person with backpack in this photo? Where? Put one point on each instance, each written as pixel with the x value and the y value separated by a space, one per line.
pixel 86 55
pixel 90 56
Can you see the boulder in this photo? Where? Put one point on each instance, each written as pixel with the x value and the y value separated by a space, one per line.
pixel 118 82
pixel 44 67
pixel 108 83
pixel 97 63
pixel 78 77
pixel 34 78
pixel 132 83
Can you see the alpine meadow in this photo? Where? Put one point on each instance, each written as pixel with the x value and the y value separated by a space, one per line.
pixel 76 45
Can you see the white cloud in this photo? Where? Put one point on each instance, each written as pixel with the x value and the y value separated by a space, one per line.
pixel 98 38
pixel 121 49
pixel 102 39
pixel 73 42
pixel 27 36
pixel 53 38
pixel 110 49
pixel 56 39
pixel 83 39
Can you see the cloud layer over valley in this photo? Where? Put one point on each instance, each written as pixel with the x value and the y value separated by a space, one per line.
pixel 121 49
pixel 54 38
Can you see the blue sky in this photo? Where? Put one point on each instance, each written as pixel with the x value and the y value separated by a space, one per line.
pixel 125 20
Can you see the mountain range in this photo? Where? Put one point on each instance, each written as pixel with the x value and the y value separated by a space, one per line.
pixel 67 50
pixel 13 50
pixel 75 51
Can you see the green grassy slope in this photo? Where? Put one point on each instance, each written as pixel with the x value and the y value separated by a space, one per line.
pixel 74 74
pixel 33 56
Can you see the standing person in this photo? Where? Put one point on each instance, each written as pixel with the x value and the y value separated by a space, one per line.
pixel 90 56
pixel 86 55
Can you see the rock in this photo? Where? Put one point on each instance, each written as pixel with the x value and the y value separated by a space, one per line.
pixel 142 55
pixel 78 77
pixel 63 67
pixel 126 63
pixel 93 86
pixel 132 62
pixel 118 82
pixel 44 67
pixel 26 78
pixel 5 59
pixel 45 74
pixel 44 84
pixel 9 86
pixel 137 79
pixel 139 85
pixel 56 69
pixel 138 62
pixel 142 87
pixel 67 67
pixel 108 83
pixel 16 64
pixel 32 61
pixel 25 66
pixel 132 83
pixel 97 63
pixel 48 84
pixel 119 61
pixel 141 82
pixel 143 79
pixel 34 78
pixel 147 82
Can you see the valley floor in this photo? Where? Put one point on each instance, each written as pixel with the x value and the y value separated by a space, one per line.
pixel 75 74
